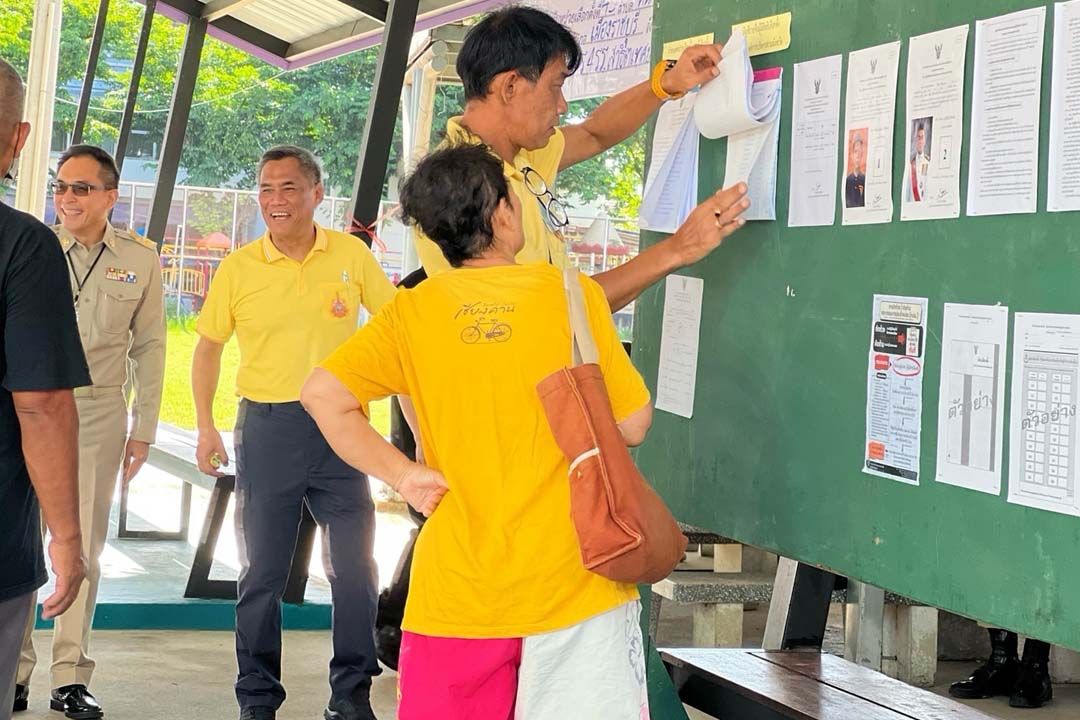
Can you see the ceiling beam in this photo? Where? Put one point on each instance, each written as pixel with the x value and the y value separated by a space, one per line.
pixel 374 9
pixel 216 9
pixel 265 41
pixel 333 36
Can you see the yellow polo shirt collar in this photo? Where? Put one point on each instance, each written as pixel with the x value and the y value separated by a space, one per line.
pixel 542 245
pixel 272 254
pixel 458 133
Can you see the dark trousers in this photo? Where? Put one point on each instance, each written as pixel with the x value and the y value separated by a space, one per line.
pixel 283 461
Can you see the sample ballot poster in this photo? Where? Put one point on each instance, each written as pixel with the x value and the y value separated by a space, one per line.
pixel 866 187
pixel 971 404
pixel 935 125
pixel 814 142
pixel 1004 175
pixel 1042 425
pixel 894 388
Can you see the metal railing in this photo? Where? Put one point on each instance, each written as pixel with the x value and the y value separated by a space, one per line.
pixel 206 224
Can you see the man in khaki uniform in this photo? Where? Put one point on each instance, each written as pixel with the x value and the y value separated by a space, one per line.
pixel 116 285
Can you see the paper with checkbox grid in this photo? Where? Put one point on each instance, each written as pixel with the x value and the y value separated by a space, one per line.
pixel 1042 427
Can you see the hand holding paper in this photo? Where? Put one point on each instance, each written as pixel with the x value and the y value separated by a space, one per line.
pixel 697 65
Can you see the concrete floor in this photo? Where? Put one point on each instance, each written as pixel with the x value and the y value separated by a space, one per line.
pixel 180 675
pixel 174 675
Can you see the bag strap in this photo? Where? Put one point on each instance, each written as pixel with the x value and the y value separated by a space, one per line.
pixel 584 347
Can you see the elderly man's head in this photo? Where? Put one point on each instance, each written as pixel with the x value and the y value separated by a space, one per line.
pixel 290 190
pixel 513 63
pixel 13 131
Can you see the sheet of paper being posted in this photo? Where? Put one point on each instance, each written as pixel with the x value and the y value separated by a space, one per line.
pixel 727 104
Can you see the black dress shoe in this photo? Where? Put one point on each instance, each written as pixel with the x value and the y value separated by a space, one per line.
pixel 76 702
pixel 993 678
pixel 357 707
pixel 1033 688
pixel 22 698
pixel 258 712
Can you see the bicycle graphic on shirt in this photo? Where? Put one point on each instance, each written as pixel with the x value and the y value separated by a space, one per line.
pixel 488 331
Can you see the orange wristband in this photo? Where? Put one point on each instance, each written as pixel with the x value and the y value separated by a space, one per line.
pixel 654 82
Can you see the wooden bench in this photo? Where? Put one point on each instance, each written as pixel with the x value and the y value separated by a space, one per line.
pixel 761 685
pixel 174 453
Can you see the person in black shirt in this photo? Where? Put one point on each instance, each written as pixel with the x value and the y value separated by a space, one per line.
pixel 41 360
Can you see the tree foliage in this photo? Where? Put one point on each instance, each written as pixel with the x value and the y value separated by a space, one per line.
pixel 243 105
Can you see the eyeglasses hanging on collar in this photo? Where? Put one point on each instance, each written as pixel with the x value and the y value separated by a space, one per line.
pixel 553 209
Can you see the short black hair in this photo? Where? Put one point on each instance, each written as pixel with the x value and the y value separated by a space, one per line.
pixel 452 195
pixel 308 162
pixel 513 38
pixel 110 176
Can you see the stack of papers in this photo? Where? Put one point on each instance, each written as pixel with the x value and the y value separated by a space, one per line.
pixel 728 104
pixel 752 154
pixel 671 186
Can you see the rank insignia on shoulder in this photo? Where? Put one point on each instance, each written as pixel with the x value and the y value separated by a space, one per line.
pixel 121 275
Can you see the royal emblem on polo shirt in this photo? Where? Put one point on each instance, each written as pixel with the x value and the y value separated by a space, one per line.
pixel 121 275
pixel 338 306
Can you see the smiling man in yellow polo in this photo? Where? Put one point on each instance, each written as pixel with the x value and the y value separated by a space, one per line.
pixel 291 297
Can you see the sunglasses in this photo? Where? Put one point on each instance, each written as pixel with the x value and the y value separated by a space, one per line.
pixel 80 189
pixel 556 213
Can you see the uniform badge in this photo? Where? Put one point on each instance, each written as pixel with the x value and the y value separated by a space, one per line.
pixel 338 308
pixel 121 275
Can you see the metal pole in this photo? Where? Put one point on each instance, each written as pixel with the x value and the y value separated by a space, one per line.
pixel 179 112
pixel 382 113
pixel 33 169
pixel 181 242
pixel 235 220
pixel 607 234
pixel 91 71
pixel 133 88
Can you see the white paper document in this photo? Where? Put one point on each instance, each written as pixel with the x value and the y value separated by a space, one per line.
pixel 935 125
pixel 669 124
pixel 971 403
pixel 894 388
pixel 679 345
pixel 752 155
pixel 1042 425
pixel 815 136
pixel 727 104
pixel 671 189
pixel 868 134
pixel 1063 184
pixel 1003 178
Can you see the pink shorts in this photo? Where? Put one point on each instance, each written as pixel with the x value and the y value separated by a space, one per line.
pixel 596 667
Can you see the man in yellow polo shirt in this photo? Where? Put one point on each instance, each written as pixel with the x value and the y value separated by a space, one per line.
pixel 513 64
pixel 291 297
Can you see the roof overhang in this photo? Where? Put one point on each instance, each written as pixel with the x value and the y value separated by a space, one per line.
pixel 294 33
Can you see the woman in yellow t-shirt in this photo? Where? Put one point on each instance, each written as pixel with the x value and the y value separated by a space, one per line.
pixel 502 618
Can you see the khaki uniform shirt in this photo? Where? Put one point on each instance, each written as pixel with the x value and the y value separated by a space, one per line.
pixel 121 314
